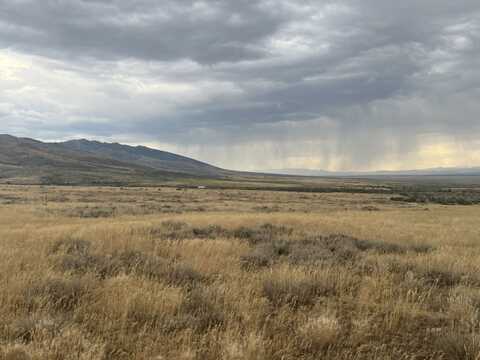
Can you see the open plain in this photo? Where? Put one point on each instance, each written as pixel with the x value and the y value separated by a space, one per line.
pixel 200 273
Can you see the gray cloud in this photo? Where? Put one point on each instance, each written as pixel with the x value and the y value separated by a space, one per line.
pixel 343 84
pixel 206 32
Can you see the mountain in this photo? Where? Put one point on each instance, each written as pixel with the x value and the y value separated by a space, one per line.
pixel 84 162
pixel 299 172
pixel 440 171
pixel 141 155
pixel 25 160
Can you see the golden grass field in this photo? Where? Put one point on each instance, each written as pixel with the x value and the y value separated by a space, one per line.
pixel 160 273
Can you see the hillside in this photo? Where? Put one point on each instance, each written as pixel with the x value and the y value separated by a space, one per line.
pixel 144 156
pixel 84 162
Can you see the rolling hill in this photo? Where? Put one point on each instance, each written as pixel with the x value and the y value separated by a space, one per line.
pixel 24 160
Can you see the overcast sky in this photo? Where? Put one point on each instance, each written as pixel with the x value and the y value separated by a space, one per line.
pixel 268 84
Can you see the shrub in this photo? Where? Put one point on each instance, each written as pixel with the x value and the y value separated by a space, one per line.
pixel 58 294
pixel 81 264
pixel 129 262
pixel 173 230
pixel 183 275
pixel 254 261
pixel 70 246
pixel 264 254
pixel 295 293
pixel 337 248
pixel 209 232
pixel 428 275
pixel 264 233
pixel 199 311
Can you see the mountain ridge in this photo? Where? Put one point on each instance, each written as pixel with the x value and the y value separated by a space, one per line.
pixel 440 171
pixel 157 159
pixel 82 161
pixel 26 160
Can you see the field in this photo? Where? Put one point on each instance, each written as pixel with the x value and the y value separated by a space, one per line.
pixel 186 273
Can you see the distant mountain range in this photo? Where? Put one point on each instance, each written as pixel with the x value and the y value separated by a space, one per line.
pixel 24 160
pixel 84 162
pixel 440 171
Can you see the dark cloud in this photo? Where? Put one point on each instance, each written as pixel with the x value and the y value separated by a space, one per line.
pixel 207 32
pixel 350 84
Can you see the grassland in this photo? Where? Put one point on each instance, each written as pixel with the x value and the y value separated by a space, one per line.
pixel 167 273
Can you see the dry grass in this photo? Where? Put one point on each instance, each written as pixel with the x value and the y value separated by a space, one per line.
pixel 234 282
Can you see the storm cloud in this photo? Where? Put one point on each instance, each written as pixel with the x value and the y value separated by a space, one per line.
pixel 338 85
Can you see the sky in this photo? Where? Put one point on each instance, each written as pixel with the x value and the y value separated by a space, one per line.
pixel 251 85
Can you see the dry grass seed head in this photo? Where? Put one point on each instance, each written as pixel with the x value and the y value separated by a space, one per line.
pixel 458 346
